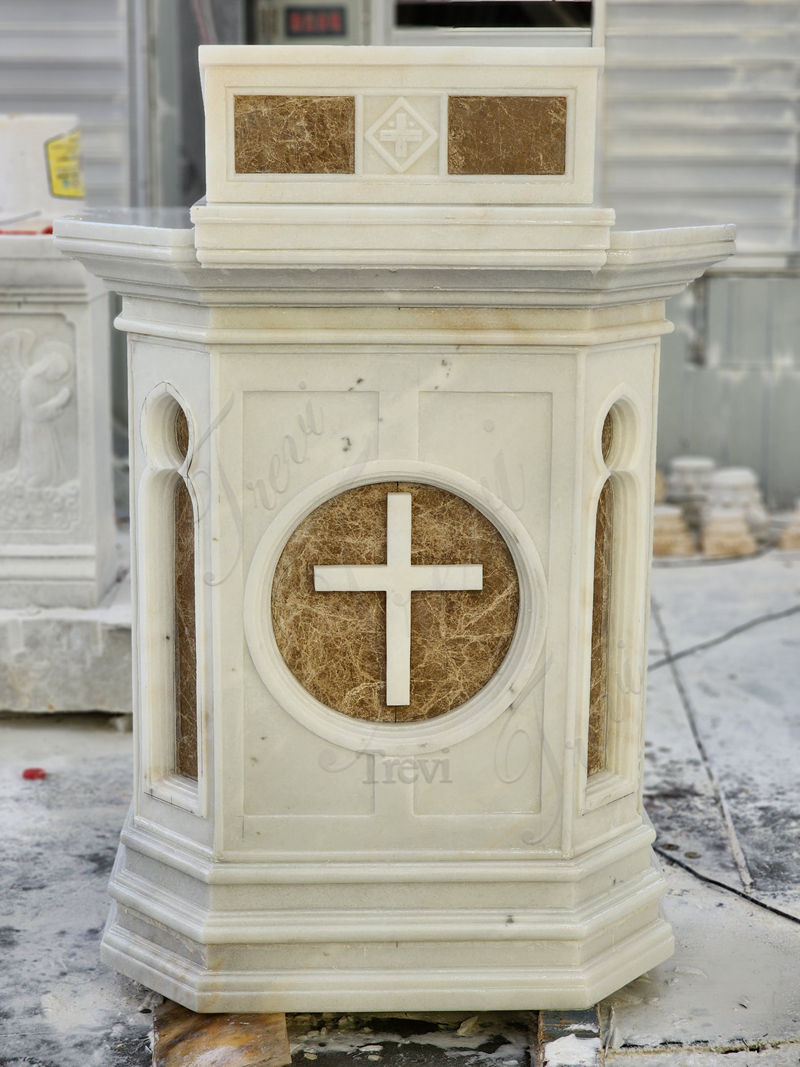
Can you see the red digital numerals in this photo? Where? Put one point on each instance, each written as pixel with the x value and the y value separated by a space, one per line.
pixel 315 22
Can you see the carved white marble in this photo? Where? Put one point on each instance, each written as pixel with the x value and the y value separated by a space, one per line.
pixel 318 861
pixel 56 504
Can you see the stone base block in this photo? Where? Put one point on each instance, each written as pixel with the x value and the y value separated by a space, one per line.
pixel 789 538
pixel 46 577
pixel 671 536
pixel 687 486
pixel 69 659
pixel 727 536
pixel 660 492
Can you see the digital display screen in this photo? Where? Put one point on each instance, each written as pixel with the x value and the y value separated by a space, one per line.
pixel 494 14
pixel 316 21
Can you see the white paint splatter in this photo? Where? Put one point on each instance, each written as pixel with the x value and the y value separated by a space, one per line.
pixel 572 1051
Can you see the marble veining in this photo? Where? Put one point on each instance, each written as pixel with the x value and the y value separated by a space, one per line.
pixel 598 686
pixel 334 642
pixel 294 134
pixel 601 597
pixel 507 135
pixel 185 636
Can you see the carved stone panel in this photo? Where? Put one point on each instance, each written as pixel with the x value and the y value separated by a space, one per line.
pixel 401 134
pixel 39 485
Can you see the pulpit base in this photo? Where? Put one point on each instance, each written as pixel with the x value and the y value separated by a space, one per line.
pixel 568 935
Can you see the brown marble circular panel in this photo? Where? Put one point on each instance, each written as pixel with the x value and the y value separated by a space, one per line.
pixel 334 643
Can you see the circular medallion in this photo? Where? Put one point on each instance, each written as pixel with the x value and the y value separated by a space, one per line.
pixel 394 602
pixel 281 619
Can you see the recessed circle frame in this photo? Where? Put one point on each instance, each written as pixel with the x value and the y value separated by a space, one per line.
pixel 509 683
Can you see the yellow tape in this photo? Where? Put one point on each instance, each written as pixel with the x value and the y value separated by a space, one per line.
pixel 64 165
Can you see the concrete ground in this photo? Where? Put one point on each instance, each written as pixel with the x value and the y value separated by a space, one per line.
pixel 721 785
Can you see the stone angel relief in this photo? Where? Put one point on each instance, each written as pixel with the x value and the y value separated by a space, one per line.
pixel 35 389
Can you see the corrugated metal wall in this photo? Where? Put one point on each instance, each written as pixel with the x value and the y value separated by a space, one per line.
pixel 730 378
pixel 71 56
pixel 702 116
pixel 702 125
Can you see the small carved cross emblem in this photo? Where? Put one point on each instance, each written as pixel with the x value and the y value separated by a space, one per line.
pixel 401 135
pixel 401 132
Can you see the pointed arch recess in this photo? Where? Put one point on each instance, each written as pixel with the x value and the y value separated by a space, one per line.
pixel 601 606
pixel 185 611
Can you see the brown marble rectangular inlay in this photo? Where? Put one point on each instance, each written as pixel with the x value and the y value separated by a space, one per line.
pixel 507 135
pixel 294 134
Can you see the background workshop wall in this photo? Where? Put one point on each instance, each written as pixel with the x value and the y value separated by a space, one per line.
pixel 71 56
pixel 701 123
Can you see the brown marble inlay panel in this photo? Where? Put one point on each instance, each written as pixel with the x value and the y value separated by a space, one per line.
pixel 507 135
pixel 598 684
pixel 294 134
pixel 335 642
pixel 603 548
pixel 185 643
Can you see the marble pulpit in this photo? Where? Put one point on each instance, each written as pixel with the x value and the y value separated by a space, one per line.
pixel 393 398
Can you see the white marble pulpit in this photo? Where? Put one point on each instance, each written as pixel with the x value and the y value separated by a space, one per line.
pixel 393 398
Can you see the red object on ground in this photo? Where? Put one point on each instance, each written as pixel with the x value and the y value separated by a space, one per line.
pixel 34 772
pixel 33 233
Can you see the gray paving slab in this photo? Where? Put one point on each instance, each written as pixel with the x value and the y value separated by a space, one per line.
pixel 783 1056
pixel 59 1007
pixel 703 600
pixel 740 697
pixel 656 649
pixel 679 794
pixel 733 982
pixel 745 700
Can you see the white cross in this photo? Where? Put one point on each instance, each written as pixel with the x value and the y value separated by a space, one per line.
pixel 397 578
pixel 401 134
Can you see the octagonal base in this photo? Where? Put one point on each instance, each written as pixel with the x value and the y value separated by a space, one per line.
pixel 485 935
